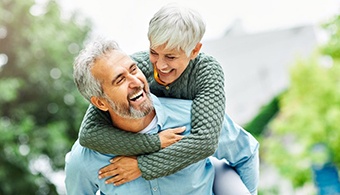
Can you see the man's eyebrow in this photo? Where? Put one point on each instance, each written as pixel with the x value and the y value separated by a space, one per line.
pixel 133 64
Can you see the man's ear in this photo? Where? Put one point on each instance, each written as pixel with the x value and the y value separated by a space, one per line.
pixel 99 103
pixel 196 51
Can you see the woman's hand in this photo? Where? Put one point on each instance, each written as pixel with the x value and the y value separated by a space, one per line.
pixel 170 136
pixel 122 169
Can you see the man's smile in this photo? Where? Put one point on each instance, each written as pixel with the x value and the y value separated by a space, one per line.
pixel 137 96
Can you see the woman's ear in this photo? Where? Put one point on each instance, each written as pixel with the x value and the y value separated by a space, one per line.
pixel 196 51
pixel 99 103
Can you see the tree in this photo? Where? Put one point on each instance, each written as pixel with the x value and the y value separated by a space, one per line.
pixel 259 123
pixel 332 47
pixel 41 109
pixel 309 113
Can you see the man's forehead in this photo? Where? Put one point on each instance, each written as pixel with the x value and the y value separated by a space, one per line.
pixel 117 59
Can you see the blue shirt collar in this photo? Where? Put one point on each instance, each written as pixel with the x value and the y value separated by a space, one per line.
pixel 160 114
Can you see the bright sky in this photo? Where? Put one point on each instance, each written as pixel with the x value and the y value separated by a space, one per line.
pixel 126 21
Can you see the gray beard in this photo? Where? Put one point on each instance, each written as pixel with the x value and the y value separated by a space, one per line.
pixel 130 112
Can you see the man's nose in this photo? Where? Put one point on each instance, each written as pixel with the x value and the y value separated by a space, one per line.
pixel 134 81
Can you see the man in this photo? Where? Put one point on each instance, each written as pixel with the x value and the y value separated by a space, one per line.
pixel 112 82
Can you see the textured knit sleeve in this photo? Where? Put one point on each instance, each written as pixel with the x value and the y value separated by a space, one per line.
pixel 98 133
pixel 207 115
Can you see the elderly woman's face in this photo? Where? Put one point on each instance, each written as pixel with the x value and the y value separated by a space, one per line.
pixel 169 64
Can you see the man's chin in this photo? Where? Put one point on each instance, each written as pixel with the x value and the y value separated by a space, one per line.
pixel 137 114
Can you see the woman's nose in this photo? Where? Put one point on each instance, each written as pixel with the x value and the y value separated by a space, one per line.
pixel 161 64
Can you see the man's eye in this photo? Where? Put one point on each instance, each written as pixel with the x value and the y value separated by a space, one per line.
pixel 170 57
pixel 120 80
pixel 133 70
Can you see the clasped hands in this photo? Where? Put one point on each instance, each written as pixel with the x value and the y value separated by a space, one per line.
pixel 123 169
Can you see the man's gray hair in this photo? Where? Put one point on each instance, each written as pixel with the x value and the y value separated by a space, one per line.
pixel 87 85
pixel 178 27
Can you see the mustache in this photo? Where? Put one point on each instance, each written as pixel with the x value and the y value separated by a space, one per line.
pixel 135 91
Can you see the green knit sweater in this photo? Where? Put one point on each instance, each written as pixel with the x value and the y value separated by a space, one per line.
pixel 203 82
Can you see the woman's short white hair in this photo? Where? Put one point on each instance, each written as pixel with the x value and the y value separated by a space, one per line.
pixel 178 27
pixel 87 85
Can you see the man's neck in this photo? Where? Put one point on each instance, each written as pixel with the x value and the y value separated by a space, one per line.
pixel 132 125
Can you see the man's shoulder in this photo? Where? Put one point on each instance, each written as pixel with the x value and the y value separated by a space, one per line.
pixel 78 153
pixel 75 153
pixel 82 158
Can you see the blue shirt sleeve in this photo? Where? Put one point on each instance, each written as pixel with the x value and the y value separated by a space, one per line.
pixel 240 149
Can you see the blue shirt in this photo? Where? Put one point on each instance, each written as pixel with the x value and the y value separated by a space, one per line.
pixel 237 146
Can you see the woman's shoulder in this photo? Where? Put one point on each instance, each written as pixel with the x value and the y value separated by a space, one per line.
pixel 205 59
pixel 206 63
pixel 141 56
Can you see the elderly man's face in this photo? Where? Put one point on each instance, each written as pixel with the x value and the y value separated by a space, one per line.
pixel 125 86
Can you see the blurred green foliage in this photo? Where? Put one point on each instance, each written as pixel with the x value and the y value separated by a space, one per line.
pixel 41 108
pixel 309 113
pixel 259 123
pixel 332 47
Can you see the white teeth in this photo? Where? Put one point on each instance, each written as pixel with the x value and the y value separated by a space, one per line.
pixel 165 72
pixel 136 95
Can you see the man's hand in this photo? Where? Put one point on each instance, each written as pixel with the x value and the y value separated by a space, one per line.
pixel 121 170
pixel 170 136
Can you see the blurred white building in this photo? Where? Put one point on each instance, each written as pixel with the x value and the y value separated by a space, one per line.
pixel 256 66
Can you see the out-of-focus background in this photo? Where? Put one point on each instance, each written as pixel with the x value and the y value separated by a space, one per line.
pixel 281 63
